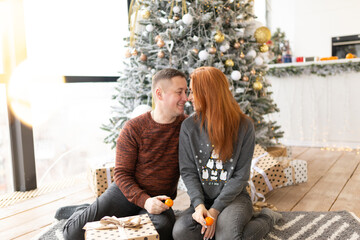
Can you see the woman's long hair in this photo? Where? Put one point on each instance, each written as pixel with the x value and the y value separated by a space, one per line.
pixel 219 111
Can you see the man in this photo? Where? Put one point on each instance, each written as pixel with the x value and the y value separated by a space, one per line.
pixel 146 169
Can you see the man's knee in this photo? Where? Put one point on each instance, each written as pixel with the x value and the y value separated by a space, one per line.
pixel 72 233
pixel 164 223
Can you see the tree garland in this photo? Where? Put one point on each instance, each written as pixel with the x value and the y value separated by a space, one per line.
pixel 322 70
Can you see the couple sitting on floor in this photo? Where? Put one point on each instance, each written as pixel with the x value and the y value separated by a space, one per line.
pixel 212 150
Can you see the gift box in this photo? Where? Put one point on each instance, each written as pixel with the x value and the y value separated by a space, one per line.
pixel 266 174
pixel 295 171
pixel 100 176
pixel 137 227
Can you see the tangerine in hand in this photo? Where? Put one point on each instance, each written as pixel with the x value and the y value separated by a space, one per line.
pixel 209 221
pixel 169 202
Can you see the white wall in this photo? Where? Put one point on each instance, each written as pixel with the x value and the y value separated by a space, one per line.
pixel 310 24
pixel 77 37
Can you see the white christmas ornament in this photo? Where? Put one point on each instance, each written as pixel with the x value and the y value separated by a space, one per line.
pixel 187 19
pixel 258 60
pixel 235 75
pixel 176 9
pixel 149 28
pixel 203 55
pixel 139 110
pixel 223 48
pixel 251 54
pixel 153 71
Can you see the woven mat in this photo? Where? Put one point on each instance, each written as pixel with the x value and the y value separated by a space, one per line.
pixel 294 225
pixel 15 197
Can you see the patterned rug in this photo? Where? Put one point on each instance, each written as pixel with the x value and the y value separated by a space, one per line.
pixel 340 225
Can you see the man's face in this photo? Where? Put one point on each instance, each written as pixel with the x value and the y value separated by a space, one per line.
pixel 174 96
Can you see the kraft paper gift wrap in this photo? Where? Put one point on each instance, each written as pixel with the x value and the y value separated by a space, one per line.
pixel 137 227
pixel 100 176
pixel 266 174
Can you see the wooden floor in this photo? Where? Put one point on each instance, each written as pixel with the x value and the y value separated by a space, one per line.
pixel 333 184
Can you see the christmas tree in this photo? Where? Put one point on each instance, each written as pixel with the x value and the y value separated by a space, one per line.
pixel 186 34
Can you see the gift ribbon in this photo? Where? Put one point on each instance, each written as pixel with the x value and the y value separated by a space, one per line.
pixel 254 194
pixel 108 176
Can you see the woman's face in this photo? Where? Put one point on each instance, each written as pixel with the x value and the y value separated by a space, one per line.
pixel 191 95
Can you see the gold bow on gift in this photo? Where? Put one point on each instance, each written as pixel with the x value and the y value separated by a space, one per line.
pixel 113 223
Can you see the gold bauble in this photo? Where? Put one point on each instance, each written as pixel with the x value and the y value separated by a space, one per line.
pixel 262 35
pixel 176 18
pixel 212 50
pixel 161 54
pixel 127 54
pixel 219 37
pixel 237 45
pixel 229 63
pixel 145 14
pixel 242 41
pixel 242 55
pixel 143 57
pixel 257 85
pixel 160 43
pixel 195 50
pixel 134 52
pixel 253 72
pixel 245 78
pixel 264 48
pixel 157 38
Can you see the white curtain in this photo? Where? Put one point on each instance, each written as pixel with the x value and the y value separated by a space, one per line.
pixel 318 111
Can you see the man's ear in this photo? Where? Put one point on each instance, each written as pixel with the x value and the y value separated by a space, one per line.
pixel 158 93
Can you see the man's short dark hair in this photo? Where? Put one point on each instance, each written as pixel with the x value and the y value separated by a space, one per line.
pixel 166 74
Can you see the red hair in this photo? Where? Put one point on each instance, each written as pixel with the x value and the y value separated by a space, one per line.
pixel 219 111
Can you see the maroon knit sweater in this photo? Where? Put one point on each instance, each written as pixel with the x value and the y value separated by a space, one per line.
pixel 147 159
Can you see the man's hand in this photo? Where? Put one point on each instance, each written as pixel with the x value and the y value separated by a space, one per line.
pixel 155 205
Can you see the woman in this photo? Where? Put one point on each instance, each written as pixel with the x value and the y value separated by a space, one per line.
pixel 215 150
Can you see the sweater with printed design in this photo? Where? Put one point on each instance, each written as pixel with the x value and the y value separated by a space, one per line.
pixel 208 179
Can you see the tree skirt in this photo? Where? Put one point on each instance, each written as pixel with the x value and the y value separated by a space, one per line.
pixel 294 225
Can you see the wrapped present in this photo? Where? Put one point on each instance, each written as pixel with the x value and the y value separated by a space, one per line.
pixel 295 171
pixel 135 228
pixel 100 176
pixel 266 174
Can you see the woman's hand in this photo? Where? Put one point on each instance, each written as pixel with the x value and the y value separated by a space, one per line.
pixel 200 214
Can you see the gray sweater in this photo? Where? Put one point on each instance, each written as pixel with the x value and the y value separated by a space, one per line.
pixel 208 180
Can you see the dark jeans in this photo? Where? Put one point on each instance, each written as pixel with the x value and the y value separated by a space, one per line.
pixel 236 221
pixel 113 203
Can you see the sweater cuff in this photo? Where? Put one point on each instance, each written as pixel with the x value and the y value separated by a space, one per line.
pixel 197 201
pixel 141 200
pixel 218 206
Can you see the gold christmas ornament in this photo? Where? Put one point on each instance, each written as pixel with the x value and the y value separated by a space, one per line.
pixel 195 50
pixel 157 38
pixel 212 50
pixel 176 17
pixel 219 37
pixel 229 63
pixel 127 54
pixel 145 14
pixel 245 78
pixel 242 41
pixel 262 35
pixel 237 45
pixel 264 48
pixel 160 43
pixel 253 72
pixel 161 54
pixel 143 57
pixel 257 85
pixel 242 55
pixel 134 52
